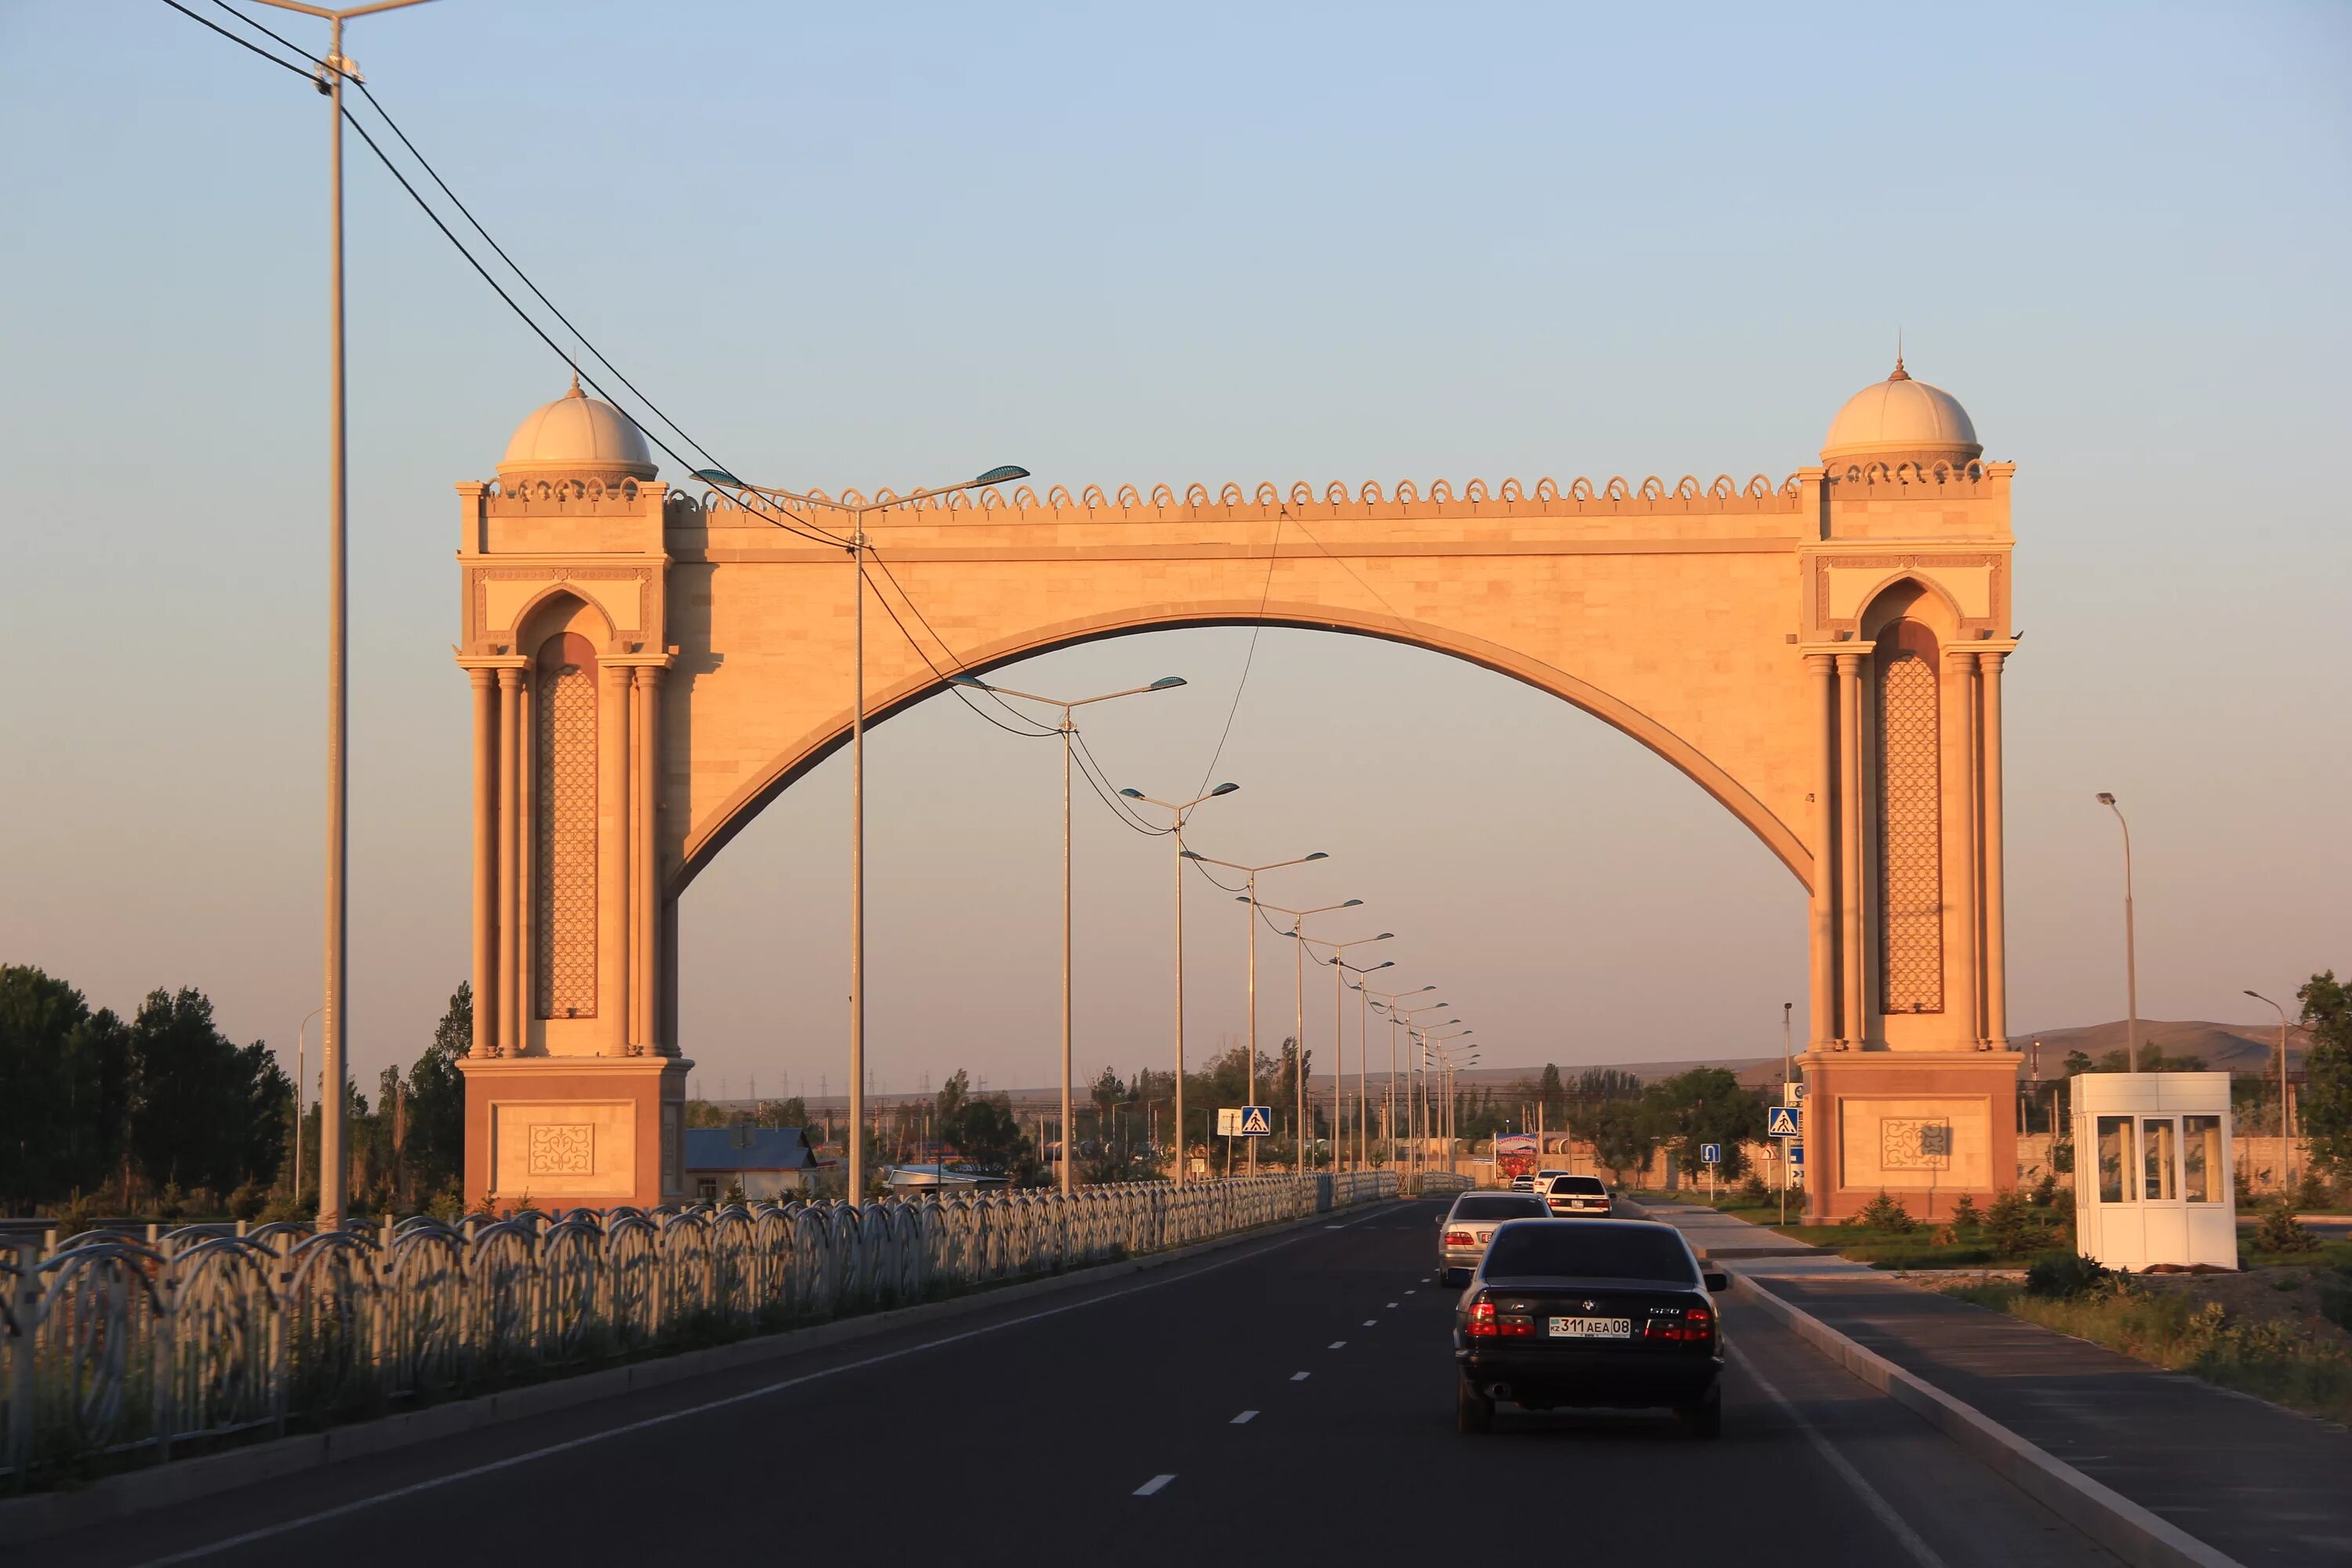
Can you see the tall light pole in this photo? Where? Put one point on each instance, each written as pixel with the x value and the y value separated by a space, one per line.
pixel 2285 1157
pixel 1417 1110
pixel 1340 969
pixel 2131 948
pixel 856 545
pixel 1176 815
pixel 1250 874
pixel 332 1172
pixel 1446 1067
pixel 1387 1004
pixel 1068 729
pixel 1299 1034
pixel 299 1031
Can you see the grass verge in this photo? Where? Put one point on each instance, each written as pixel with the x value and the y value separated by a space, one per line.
pixel 2182 1333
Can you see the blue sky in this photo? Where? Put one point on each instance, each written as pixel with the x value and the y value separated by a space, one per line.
pixel 860 245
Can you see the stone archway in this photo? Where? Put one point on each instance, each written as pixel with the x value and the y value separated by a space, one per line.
pixel 1822 655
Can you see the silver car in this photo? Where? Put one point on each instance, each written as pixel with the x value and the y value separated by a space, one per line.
pixel 1469 1225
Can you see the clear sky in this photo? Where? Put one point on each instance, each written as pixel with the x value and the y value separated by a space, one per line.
pixel 865 246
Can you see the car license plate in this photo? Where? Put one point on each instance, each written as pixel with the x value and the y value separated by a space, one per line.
pixel 1592 1328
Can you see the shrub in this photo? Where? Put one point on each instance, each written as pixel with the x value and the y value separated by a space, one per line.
pixel 2335 1297
pixel 1884 1212
pixel 2282 1232
pixel 1753 1189
pixel 2064 1279
pixel 2012 1225
pixel 2312 1192
pixel 245 1202
pixel 1965 1213
pixel 2045 1191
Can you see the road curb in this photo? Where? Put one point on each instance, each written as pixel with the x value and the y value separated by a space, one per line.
pixel 2099 1511
pixel 46 1514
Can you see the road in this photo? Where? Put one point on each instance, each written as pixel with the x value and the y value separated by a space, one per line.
pixel 1290 1398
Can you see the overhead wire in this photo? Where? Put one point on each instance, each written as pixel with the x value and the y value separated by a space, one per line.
pixel 1097 777
pixel 1266 596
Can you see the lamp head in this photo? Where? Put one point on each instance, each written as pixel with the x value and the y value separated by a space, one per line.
pixel 1384 963
pixel 2106 799
pixel 1318 855
pixel 1004 475
pixel 972 681
pixel 1189 854
pixel 1164 682
pixel 1384 936
pixel 1351 903
pixel 716 477
pixel 1132 794
pixel 1223 789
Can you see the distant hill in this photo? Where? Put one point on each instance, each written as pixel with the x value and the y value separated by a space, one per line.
pixel 2238 1049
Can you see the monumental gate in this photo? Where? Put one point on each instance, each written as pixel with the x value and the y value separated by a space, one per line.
pixel 1822 655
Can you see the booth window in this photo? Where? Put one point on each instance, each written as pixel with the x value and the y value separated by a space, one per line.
pixel 2160 1146
pixel 2200 1149
pixel 2115 1159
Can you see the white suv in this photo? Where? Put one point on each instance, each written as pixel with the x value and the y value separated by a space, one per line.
pixel 1577 1197
pixel 1538 1181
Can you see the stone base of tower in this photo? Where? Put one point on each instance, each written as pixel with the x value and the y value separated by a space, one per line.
pixel 1925 1127
pixel 574 1131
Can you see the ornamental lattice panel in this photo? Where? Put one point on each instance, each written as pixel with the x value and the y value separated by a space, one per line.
pixel 1910 836
pixel 563 924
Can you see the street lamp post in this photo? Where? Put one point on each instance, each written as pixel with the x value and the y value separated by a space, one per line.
pixel 2131 947
pixel 331 75
pixel 299 1071
pixel 1787 1009
pixel 1299 1036
pixel 1069 730
pixel 1387 1004
pixel 1177 814
pixel 2285 1155
pixel 856 545
pixel 1250 874
pixel 1340 969
pixel 1418 1109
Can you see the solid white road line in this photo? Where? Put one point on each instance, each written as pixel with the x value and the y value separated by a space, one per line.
pixel 395 1494
pixel 1153 1485
pixel 1243 1419
pixel 1880 1508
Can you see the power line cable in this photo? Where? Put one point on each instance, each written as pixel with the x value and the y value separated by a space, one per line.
pixel 1266 596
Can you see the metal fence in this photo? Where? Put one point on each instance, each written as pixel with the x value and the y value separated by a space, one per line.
pixel 124 1345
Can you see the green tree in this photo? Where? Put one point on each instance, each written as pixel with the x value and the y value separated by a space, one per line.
pixel 1705 1105
pixel 205 1112
pixel 433 1151
pixel 2325 1103
pixel 65 1091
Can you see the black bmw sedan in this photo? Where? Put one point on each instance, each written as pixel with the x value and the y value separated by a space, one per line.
pixel 1614 1313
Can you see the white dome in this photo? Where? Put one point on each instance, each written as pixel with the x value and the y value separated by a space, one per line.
pixel 577 436
pixel 1899 420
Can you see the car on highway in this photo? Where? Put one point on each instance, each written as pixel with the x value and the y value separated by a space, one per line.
pixel 1535 1180
pixel 1613 1314
pixel 1577 1197
pixel 1462 1234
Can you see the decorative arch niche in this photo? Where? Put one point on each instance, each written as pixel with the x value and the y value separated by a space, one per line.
pixel 1908 730
pixel 564 830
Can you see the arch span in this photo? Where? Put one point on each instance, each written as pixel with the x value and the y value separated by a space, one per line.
pixel 708 838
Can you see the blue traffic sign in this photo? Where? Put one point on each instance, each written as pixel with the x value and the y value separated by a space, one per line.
pixel 1784 1122
pixel 1711 1153
pixel 1796 1152
pixel 1257 1120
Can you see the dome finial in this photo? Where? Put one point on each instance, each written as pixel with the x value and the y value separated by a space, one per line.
pixel 575 390
pixel 1900 374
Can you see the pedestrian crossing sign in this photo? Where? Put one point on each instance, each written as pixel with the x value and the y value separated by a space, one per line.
pixel 1257 1120
pixel 1784 1122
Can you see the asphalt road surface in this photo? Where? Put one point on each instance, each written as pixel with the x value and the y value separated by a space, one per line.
pixel 1290 1398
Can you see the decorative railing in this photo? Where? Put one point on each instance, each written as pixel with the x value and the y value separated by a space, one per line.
pixel 130 1345
pixel 1437 1184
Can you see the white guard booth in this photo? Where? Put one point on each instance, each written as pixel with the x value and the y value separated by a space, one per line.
pixel 2152 1169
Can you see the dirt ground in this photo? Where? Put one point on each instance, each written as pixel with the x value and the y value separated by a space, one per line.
pixel 2288 1295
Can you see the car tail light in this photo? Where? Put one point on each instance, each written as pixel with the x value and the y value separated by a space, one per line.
pixel 1460 1239
pixel 1516 1327
pixel 1482 1321
pixel 1696 1324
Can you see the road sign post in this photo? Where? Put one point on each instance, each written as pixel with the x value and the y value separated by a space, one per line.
pixel 1710 1155
pixel 1786 1122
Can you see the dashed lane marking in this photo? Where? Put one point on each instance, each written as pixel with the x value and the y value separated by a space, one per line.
pixel 1392 1306
pixel 1243 1419
pixel 1336 1344
pixel 1152 1486
pixel 1371 1322
pixel 1300 1377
